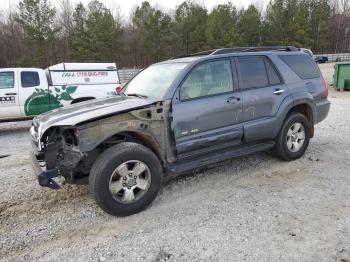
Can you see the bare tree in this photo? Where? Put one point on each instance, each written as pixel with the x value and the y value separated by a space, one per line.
pixel 65 21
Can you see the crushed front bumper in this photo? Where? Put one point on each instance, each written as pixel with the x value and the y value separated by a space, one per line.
pixel 45 177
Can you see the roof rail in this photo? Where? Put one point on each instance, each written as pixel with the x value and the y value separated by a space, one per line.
pixel 253 49
pixel 240 49
pixel 208 52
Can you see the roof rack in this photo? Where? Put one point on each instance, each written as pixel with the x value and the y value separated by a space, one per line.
pixel 208 52
pixel 253 49
pixel 239 50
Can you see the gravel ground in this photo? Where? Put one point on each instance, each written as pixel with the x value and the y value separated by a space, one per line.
pixel 255 208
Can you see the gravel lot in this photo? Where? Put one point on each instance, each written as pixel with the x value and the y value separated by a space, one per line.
pixel 255 208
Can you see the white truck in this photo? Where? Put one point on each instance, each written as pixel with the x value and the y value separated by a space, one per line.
pixel 26 92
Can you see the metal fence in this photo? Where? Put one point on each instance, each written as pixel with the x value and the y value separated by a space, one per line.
pixel 126 74
pixel 340 57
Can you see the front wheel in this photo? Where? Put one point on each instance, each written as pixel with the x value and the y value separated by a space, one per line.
pixel 293 138
pixel 125 179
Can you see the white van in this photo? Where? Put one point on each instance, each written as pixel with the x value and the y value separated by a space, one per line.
pixel 26 92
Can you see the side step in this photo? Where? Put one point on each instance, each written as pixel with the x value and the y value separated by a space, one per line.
pixel 218 156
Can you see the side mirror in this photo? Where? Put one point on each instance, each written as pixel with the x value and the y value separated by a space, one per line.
pixel 118 89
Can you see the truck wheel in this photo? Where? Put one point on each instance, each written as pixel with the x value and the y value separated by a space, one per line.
pixel 125 179
pixel 293 138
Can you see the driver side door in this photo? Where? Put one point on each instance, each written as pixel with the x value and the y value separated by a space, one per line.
pixel 9 104
pixel 207 109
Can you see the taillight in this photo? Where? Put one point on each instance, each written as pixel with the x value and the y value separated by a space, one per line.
pixel 325 86
pixel 118 89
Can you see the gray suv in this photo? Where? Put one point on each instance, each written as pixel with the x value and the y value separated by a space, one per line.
pixel 179 115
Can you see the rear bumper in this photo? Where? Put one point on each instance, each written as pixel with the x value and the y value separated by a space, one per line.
pixel 322 109
pixel 45 177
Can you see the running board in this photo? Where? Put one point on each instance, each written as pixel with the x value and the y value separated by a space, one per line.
pixel 218 156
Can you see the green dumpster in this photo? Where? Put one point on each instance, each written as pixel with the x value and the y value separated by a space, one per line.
pixel 342 76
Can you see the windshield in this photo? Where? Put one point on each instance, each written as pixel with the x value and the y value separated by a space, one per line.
pixel 155 80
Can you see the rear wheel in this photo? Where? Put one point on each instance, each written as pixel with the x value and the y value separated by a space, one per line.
pixel 293 138
pixel 125 179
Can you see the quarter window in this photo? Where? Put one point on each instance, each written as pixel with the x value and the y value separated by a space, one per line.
pixel 253 72
pixel 7 80
pixel 272 74
pixel 207 79
pixel 302 65
pixel 30 79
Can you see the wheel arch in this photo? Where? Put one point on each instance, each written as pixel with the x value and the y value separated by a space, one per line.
pixel 307 110
pixel 142 138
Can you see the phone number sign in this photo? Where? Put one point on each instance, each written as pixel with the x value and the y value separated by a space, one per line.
pixel 7 99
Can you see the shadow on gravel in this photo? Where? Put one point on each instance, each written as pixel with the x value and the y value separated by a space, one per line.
pixel 44 200
pixel 235 164
pixel 15 126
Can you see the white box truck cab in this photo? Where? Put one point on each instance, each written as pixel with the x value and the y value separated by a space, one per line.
pixel 26 92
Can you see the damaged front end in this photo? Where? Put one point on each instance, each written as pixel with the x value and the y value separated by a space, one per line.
pixel 66 149
pixel 55 155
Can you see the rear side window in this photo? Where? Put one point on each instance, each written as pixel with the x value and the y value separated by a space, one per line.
pixel 274 79
pixel 253 72
pixel 30 79
pixel 7 80
pixel 302 65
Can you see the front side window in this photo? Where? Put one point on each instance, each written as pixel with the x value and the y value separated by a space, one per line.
pixel 211 78
pixel 155 80
pixel 253 72
pixel 7 80
pixel 30 79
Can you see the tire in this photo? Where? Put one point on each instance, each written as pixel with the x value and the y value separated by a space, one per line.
pixel 116 164
pixel 292 147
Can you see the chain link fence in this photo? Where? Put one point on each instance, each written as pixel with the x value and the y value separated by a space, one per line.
pixel 126 74
pixel 340 57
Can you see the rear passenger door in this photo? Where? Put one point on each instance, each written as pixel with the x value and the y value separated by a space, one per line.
pixel 207 109
pixel 263 91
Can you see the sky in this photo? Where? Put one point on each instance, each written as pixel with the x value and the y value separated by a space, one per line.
pixel 125 7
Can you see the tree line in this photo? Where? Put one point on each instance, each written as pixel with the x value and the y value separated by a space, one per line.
pixel 37 34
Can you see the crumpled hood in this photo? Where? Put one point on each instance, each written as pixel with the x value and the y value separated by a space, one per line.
pixel 77 113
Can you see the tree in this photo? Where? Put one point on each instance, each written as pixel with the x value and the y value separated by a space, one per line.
pixel 249 26
pixel 35 34
pixel 190 21
pixel 221 26
pixel 65 19
pixel 37 20
pixel 96 33
pixel 287 23
pixel 154 28
pixel 319 29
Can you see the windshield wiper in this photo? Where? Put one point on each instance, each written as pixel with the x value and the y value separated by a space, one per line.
pixel 137 95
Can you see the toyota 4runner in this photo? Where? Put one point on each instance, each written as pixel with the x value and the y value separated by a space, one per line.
pixel 179 115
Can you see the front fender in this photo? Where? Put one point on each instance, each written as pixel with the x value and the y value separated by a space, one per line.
pixel 96 133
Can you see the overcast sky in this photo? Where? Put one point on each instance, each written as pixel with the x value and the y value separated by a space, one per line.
pixel 126 6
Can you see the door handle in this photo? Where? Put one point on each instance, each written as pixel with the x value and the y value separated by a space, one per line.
pixel 278 91
pixel 10 94
pixel 233 99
